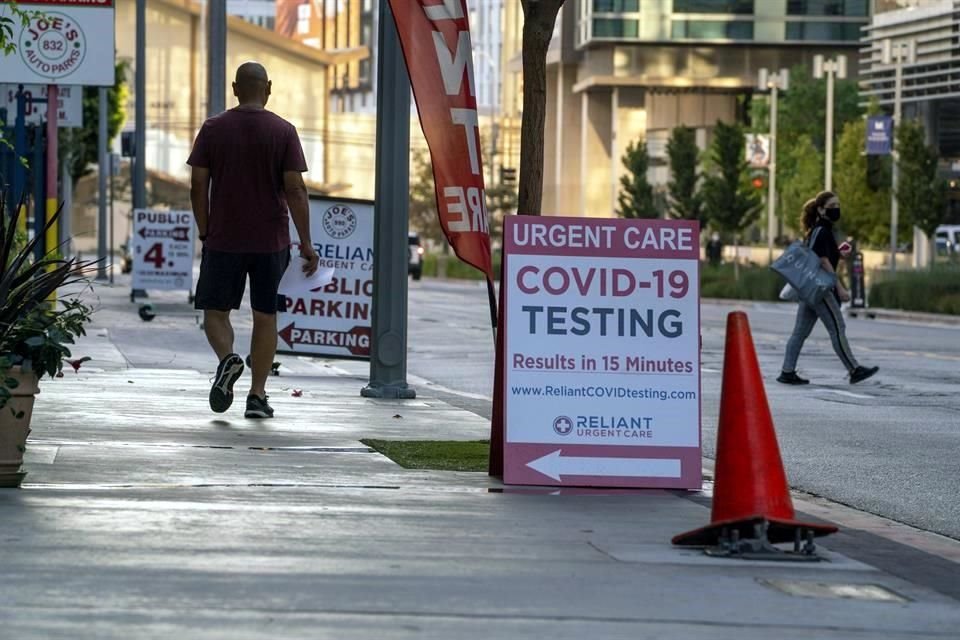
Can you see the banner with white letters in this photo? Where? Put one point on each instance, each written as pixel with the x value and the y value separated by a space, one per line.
pixel 436 44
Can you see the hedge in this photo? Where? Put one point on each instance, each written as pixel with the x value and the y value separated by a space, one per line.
pixel 935 291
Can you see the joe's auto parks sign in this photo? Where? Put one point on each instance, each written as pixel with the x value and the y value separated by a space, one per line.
pixel 64 42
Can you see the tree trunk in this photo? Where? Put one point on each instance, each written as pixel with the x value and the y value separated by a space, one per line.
pixel 539 19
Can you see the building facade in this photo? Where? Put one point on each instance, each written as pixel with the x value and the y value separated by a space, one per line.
pixel 259 12
pixel 625 70
pixel 927 29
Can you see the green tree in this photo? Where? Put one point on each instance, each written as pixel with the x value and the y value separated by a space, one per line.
pixel 81 144
pixel 921 193
pixel 423 198
pixel 684 199
pixel 501 201
pixel 729 202
pixel 9 21
pixel 802 179
pixel 866 211
pixel 636 195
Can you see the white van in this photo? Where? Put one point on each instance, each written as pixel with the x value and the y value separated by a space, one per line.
pixel 947 239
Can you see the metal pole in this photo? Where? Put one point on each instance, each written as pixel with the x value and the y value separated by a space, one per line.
pixel 216 56
pixel 140 134
pixel 112 221
pixel 830 68
pixel 772 181
pixel 895 178
pixel 104 170
pixel 52 239
pixel 388 345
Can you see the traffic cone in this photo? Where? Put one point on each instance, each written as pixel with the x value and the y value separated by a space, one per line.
pixel 750 487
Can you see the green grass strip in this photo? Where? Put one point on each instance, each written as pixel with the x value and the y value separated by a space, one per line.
pixel 439 455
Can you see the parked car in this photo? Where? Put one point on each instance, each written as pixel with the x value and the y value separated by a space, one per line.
pixel 415 255
pixel 947 239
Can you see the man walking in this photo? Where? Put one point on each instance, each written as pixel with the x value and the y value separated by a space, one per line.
pixel 246 168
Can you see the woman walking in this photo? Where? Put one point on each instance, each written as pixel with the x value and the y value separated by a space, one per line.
pixel 819 216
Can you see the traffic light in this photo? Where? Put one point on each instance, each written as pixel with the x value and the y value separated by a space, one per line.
pixel 508 175
pixel 757 182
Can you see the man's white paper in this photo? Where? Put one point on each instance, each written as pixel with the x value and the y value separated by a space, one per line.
pixel 296 283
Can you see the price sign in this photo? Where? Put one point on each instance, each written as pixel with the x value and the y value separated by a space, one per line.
pixel 602 352
pixel 163 244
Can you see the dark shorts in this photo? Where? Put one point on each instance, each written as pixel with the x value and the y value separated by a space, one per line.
pixel 223 279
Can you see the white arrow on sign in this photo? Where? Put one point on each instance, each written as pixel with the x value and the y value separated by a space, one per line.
pixel 553 465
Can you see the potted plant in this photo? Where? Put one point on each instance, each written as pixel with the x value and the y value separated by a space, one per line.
pixel 34 332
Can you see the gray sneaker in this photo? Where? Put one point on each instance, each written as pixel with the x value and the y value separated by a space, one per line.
pixel 257 407
pixel 221 393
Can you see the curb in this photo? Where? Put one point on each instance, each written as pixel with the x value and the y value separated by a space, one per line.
pixel 911 316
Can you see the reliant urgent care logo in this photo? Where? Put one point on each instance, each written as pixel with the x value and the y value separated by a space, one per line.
pixel 53 45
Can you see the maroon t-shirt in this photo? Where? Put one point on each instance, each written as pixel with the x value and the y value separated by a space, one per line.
pixel 247 150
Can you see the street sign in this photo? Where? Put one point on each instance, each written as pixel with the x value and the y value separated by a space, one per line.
pixel 602 352
pixel 163 244
pixel 69 101
pixel 65 42
pixel 879 135
pixel 758 150
pixel 335 319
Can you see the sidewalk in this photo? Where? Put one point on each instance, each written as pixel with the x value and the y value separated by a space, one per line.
pixel 144 515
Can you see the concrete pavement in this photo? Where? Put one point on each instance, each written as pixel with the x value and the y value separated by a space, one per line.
pixel 146 516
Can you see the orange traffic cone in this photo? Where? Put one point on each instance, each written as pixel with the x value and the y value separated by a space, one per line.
pixel 751 492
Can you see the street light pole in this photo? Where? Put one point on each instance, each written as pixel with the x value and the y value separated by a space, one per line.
pixel 833 70
pixel 775 82
pixel 897 53
pixel 772 180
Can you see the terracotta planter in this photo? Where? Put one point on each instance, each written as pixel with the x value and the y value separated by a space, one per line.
pixel 13 430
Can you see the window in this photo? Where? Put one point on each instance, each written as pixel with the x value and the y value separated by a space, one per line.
pixel 616 6
pixel 855 8
pixel 713 6
pixel 612 28
pixel 712 30
pixel 824 31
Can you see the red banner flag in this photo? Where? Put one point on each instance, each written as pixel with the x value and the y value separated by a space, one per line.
pixel 435 38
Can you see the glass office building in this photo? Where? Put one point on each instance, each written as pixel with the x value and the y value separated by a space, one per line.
pixel 626 70
pixel 721 21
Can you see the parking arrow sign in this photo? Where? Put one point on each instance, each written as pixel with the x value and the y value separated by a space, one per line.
pixel 554 465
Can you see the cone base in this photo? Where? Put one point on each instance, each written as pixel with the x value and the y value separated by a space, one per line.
pixel 779 530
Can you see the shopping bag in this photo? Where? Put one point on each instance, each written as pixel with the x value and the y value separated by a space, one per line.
pixel 801 268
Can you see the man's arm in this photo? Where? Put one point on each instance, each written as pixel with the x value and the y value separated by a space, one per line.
pixel 200 198
pixel 296 192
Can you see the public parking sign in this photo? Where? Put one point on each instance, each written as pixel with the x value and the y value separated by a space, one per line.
pixel 63 42
pixel 163 249
pixel 334 320
pixel 602 352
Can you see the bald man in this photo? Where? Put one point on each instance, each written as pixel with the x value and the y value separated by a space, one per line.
pixel 246 172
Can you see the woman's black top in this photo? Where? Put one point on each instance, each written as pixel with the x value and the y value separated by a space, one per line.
pixel 825 244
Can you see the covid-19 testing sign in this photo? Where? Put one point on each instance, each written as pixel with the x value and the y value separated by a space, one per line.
pixel 602 352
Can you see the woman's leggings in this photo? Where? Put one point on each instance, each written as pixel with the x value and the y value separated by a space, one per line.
pixel 828 310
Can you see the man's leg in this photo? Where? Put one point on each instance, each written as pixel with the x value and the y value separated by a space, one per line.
pixel 220 289
pixel 263 348
pixel 216 324
pixel 265 274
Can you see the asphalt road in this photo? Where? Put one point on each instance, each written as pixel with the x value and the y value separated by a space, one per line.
pixel 888 446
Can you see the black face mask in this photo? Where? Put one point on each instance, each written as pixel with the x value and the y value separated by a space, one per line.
pixel 832 214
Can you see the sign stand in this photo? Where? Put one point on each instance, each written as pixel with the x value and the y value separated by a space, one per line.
pixel 600 353
pixel 335 319
pixel 162 251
